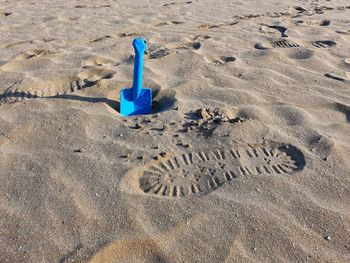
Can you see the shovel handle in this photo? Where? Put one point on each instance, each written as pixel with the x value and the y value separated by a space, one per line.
pixel 140 46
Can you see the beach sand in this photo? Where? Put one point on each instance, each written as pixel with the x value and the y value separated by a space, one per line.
pixel 245 157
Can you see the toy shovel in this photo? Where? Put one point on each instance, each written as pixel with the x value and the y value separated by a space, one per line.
pixel 136 100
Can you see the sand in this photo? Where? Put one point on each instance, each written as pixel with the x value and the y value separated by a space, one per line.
pixel 245 157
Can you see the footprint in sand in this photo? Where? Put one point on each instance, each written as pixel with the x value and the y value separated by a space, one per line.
pixel 282 43
pixel 324 43
pixel 201 172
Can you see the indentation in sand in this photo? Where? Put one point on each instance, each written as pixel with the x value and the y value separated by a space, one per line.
pixel 281 43
pixel 284 44
pixel 323 43
pixel 201 172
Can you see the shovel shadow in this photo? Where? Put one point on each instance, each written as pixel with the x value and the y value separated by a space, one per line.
pixel 163 100
pixel 115 105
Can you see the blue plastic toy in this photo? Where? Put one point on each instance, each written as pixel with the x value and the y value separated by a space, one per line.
pixel 136 100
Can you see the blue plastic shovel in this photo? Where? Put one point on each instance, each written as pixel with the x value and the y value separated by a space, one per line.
pixel 136 100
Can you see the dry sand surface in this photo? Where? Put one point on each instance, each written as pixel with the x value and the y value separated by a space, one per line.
pixel 244 159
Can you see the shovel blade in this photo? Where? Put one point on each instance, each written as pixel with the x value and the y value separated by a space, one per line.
pixel 141 105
